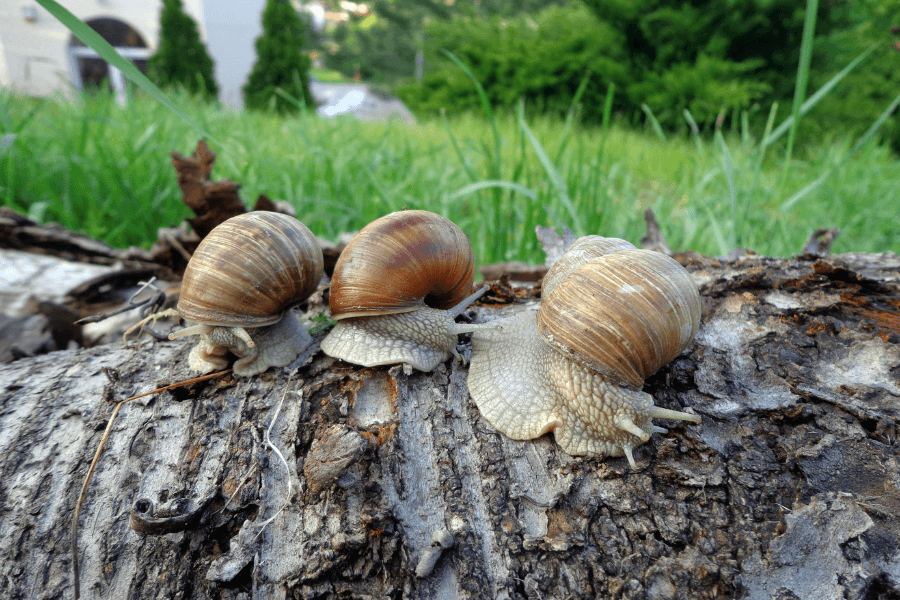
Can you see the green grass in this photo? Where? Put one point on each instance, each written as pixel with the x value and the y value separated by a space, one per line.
pixel 105 170
pixel 329 75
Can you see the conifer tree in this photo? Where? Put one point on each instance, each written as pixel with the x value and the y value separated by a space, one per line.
pixel 280 61
pixel 181 59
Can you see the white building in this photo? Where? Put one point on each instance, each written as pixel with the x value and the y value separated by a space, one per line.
pixel 39 56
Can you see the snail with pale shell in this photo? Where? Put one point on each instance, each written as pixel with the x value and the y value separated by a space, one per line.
pixel 239 287
pixel 611 316
pixel 396 291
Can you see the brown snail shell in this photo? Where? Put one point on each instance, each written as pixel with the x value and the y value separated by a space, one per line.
pixel 246 274
pixel 644 310
pixel 396 290
pixel 577 366
pixel 249 270
pixel 584 249
pixel 402 262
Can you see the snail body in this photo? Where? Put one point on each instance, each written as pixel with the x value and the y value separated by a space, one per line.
pixel 609 319
pixel 396 291
pixel 244 278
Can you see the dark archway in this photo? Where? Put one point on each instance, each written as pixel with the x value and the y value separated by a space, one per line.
pixel 89 71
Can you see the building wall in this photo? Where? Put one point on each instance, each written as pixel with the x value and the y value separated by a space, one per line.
pixel 33 52
pixel 232 27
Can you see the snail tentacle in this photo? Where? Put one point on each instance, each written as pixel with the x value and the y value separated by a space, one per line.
pixel 628 425
pixel 241 333
pixel 664 413
pixel 198 329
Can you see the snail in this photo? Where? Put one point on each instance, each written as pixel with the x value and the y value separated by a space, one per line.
pixel 243 278
pixel 611 316
pixel 396 290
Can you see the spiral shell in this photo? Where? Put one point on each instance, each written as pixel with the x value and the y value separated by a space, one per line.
pixel 402 262
pixel 624 314
pixel 249 270
pixel 584 249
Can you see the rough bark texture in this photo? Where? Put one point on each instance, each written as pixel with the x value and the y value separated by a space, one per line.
pixel 790 488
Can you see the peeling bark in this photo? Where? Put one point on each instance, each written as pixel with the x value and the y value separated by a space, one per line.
pixel 790 488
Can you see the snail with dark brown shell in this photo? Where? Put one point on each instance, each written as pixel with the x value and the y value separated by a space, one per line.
pixel 396 290
pixel 239 287
pixel 611 316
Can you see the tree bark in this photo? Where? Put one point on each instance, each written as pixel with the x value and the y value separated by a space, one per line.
pixel 789 488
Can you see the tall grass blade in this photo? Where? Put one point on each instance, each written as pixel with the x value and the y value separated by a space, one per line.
pixel 654 123
pixel 868 135
pixel 790 202
pixel 766 133
pixel 717 233
pixel 298 85
pixel 770 139
pixel 604 124
pixel 455 142
pixel 290 98
pixel 570 115
pixel 746 139
pixel 732 189
pixel 551 170
pixel 871 131
pixel 760 157
pixel 107 53
pixel 493 183
pixel 695 131
pixel 485 105
pixel 608 105
pixel 806 44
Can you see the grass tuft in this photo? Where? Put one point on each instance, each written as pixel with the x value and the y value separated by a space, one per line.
pixel 104 169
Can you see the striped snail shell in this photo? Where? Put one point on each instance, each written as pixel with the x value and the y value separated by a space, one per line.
pixel 577 366
pixel 396 290
pixel 246 275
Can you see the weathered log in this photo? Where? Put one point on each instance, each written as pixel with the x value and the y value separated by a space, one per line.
pixel 789 488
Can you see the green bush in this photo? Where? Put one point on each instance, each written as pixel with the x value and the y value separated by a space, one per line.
pixel 181 59
pixel 542 59
pixel 383 45
pixel 705 87
pixel 734 55
pixel 280 61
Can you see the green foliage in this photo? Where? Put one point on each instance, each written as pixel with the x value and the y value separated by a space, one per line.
pixel 280 62
pixel 731 56
pixel 375 52
pixel 542 59
pixel 705 87
pixel 181 59
pixel 385 52
pixel 101 168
